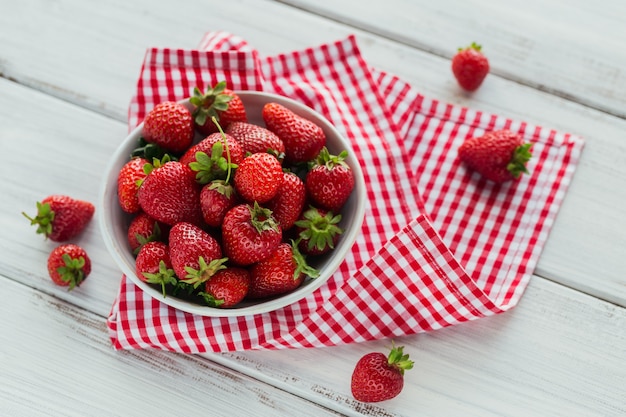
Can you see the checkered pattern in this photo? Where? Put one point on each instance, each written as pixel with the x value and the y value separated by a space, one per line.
pixel 439 245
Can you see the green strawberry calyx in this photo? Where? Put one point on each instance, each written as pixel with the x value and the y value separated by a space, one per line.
pixel 398 359
pixel 204 272
pixel 72 272
pixel 222 187
pixel 261 218
pixel 209 104
pixel 319 231
pixel 521 156
pixel 325 158
pixel 473 46
pixel 302 267
pixel 152 237
pixel 162 277
pixel 43 219
pixel 210 299
pixel 215 166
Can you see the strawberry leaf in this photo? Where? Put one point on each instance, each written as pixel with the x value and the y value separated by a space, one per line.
pixel 521 156
pixel 163 277
pixel 204 272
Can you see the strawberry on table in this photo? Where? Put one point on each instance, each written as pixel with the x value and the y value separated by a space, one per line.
pixel 499 155
pixel 227 288
pixel 171 195
pixel 377 377
pixel 216 199
pixel 318 231
pixel 256 139
pixel 258 177
pixel 129 180
pixel 249 234
pixel 144 229
pixel 68 265
pixel 303 139
pixel 330 181
pixel 60 217
pixel 289 201
pixel 195 254
pixel 470 67
pixel 169 125
pixel 219 102
pixel 154 266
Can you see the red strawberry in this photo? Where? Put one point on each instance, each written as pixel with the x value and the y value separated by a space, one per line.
pixel 212 161
pixel 154 266
pixel 216 198
pixel 171 195
pixel 318 231
pixel 258 177
pixel 288 202
pixel 256 139
pixel 499 155
pixel 282 272
pixel 377 377
pixel 227 287
pixel 303 139
pixel 195 254
pixel 219 102
pixel 169 125
pixel 129 180
pixel 60 218
pixel 330 181
pixel 249 234
pixel 470 67
pixel 68 265
pixel 144 229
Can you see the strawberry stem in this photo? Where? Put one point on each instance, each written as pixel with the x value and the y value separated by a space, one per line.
pixel 399 359
pixel 163 277
pixel 204 272
pixel 226 146
pixel 521 155
pixel 261 218
pixel 207 105
pixel 72 272
pixel 301 265
pixel 319 230
pixel 43 219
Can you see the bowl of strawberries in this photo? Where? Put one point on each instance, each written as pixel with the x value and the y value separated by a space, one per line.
pixel 232 203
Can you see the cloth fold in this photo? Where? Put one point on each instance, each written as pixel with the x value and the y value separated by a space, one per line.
pixel 439 245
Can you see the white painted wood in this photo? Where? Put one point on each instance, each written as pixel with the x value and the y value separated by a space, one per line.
pixel 559 353
pixel 98 52
pixel 568 48
pixel 56 360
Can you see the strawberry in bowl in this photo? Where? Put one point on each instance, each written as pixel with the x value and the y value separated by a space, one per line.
pixel 243 189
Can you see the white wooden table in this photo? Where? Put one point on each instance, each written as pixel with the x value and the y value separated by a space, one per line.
pixel 67 71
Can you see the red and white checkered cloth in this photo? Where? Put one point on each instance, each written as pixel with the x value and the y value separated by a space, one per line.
pixel 458 249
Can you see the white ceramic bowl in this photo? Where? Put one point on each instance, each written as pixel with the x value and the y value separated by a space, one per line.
pixel 114 222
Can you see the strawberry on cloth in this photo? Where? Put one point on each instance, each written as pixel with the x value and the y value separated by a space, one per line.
pixel 437 247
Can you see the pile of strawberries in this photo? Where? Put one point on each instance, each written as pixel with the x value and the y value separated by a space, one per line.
pixel 232 216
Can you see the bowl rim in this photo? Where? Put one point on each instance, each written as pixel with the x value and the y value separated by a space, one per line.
pixel 108 191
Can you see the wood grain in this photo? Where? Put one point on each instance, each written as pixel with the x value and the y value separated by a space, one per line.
pixel 59 362
pixel 558 353
pixel 559 46
pixel 102 49
pixel 67 71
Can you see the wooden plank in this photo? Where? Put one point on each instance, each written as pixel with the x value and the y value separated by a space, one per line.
pixel 558 353
pixel 104 83
pixel 60 362
pixel 560 47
